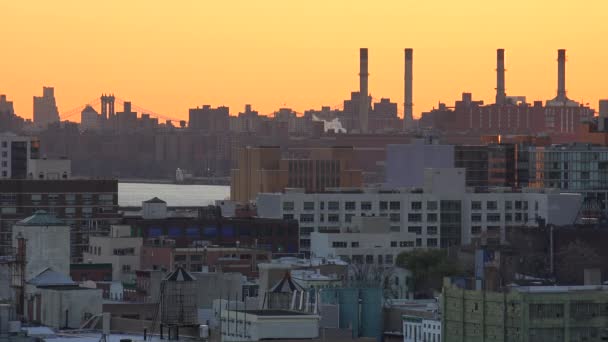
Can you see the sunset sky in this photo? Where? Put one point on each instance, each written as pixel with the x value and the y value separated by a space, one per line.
pixel 169 56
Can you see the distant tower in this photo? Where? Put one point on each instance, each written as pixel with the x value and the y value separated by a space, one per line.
pixel 561 75
pixel 363 91
pixel 408 115
pixel 45 108
pixel 107 106
pixel 501 95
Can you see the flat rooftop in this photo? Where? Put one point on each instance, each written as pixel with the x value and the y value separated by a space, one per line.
pixel 271 312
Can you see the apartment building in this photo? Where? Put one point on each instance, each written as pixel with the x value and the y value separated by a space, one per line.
pixel 444 211
pixel 89 207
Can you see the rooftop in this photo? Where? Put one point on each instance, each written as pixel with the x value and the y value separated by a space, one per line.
pixel 271 312
pixel 41 218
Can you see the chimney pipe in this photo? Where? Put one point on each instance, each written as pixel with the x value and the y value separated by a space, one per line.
pixel 363 91
pixel 561 75
pixel 501 95
pixel 408 118
pixel 603 116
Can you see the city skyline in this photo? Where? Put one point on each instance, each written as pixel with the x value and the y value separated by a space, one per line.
pixel 276 54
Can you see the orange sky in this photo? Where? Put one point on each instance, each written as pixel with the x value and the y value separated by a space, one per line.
pixel 172 55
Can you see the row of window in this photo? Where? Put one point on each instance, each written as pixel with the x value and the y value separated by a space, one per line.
pixel 493 205
pixel 364 205
pixel 335 218
pixel 495 217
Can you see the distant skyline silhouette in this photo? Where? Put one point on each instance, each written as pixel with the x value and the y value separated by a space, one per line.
pixel 171 57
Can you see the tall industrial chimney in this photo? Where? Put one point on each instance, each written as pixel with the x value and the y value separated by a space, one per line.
pixel 408 117
pixel 363 91
pixel 501 94
pixel 561 75
pixel 603 116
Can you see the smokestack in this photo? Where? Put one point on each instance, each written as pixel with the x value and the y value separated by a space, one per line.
pixel 501 94
pixel 408 118
pixel 603 116
pixel 561 75
pixel 363 91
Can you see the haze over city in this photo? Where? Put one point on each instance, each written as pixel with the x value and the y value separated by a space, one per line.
pixel 170 57
pixel 344 171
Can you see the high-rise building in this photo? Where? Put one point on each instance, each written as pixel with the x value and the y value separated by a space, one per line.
pixel 263 169
pixel 209 119
pixel 90 119
pixel 45 108
pixel 15 153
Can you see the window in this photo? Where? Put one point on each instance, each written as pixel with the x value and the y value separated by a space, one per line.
pixel 287 216
pixel 196 257
pixel 475 230
pixel 348 217
pixel 414 229
pixel 380 259
pixel 306 230
pixel 4 154
pixel 349 206
pixel 309 205
pixel 369 259
pixel 418 242
pixel 416 205
pixel 525 217
pixel 431 230
pixel 508 217
pixel 493 229
pixel 491 205
pixel 366 205
pixel 414 217
pixel 388 259
pixel 126 268
pixel 431 242
pixel 476 205
pixel 393 243
pixel 333 205
pixel 339 244
pixel 354 244
pixel 508 205
pixel 517 205
pixel 395 217
pixel 4 144
pixel 431 217
pixel 333 218
pixel 383 205
pixel 406 243
pixel 307 217
pixel 395 205
pixel 180 257
pixel 517 217
pixel 288 206
pixel 525 205
pixel 476 217
pixel 4 163
pixel 431 205
pixel 493 217
pixel 322 205
pixel 36 197
pixel 322 218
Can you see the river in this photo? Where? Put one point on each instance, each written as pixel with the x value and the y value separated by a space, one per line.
pixel 132 194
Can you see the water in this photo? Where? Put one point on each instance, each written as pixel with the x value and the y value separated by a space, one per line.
pixel 132 194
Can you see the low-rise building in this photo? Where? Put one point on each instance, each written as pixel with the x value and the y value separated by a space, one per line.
pixel 119 249
pixel 256 325
pixel 526 313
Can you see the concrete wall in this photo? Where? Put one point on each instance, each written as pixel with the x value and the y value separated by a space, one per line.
pixel 405 164
pixel 49 168
pixel 210 286
pixel 47 246
pixel 107 246
pixel 77 302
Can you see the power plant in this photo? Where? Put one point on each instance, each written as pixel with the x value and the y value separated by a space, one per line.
pixel 511 114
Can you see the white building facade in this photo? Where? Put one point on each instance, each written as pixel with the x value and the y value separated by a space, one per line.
pixel 418 329
pixel 119 249
pixel 442 214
